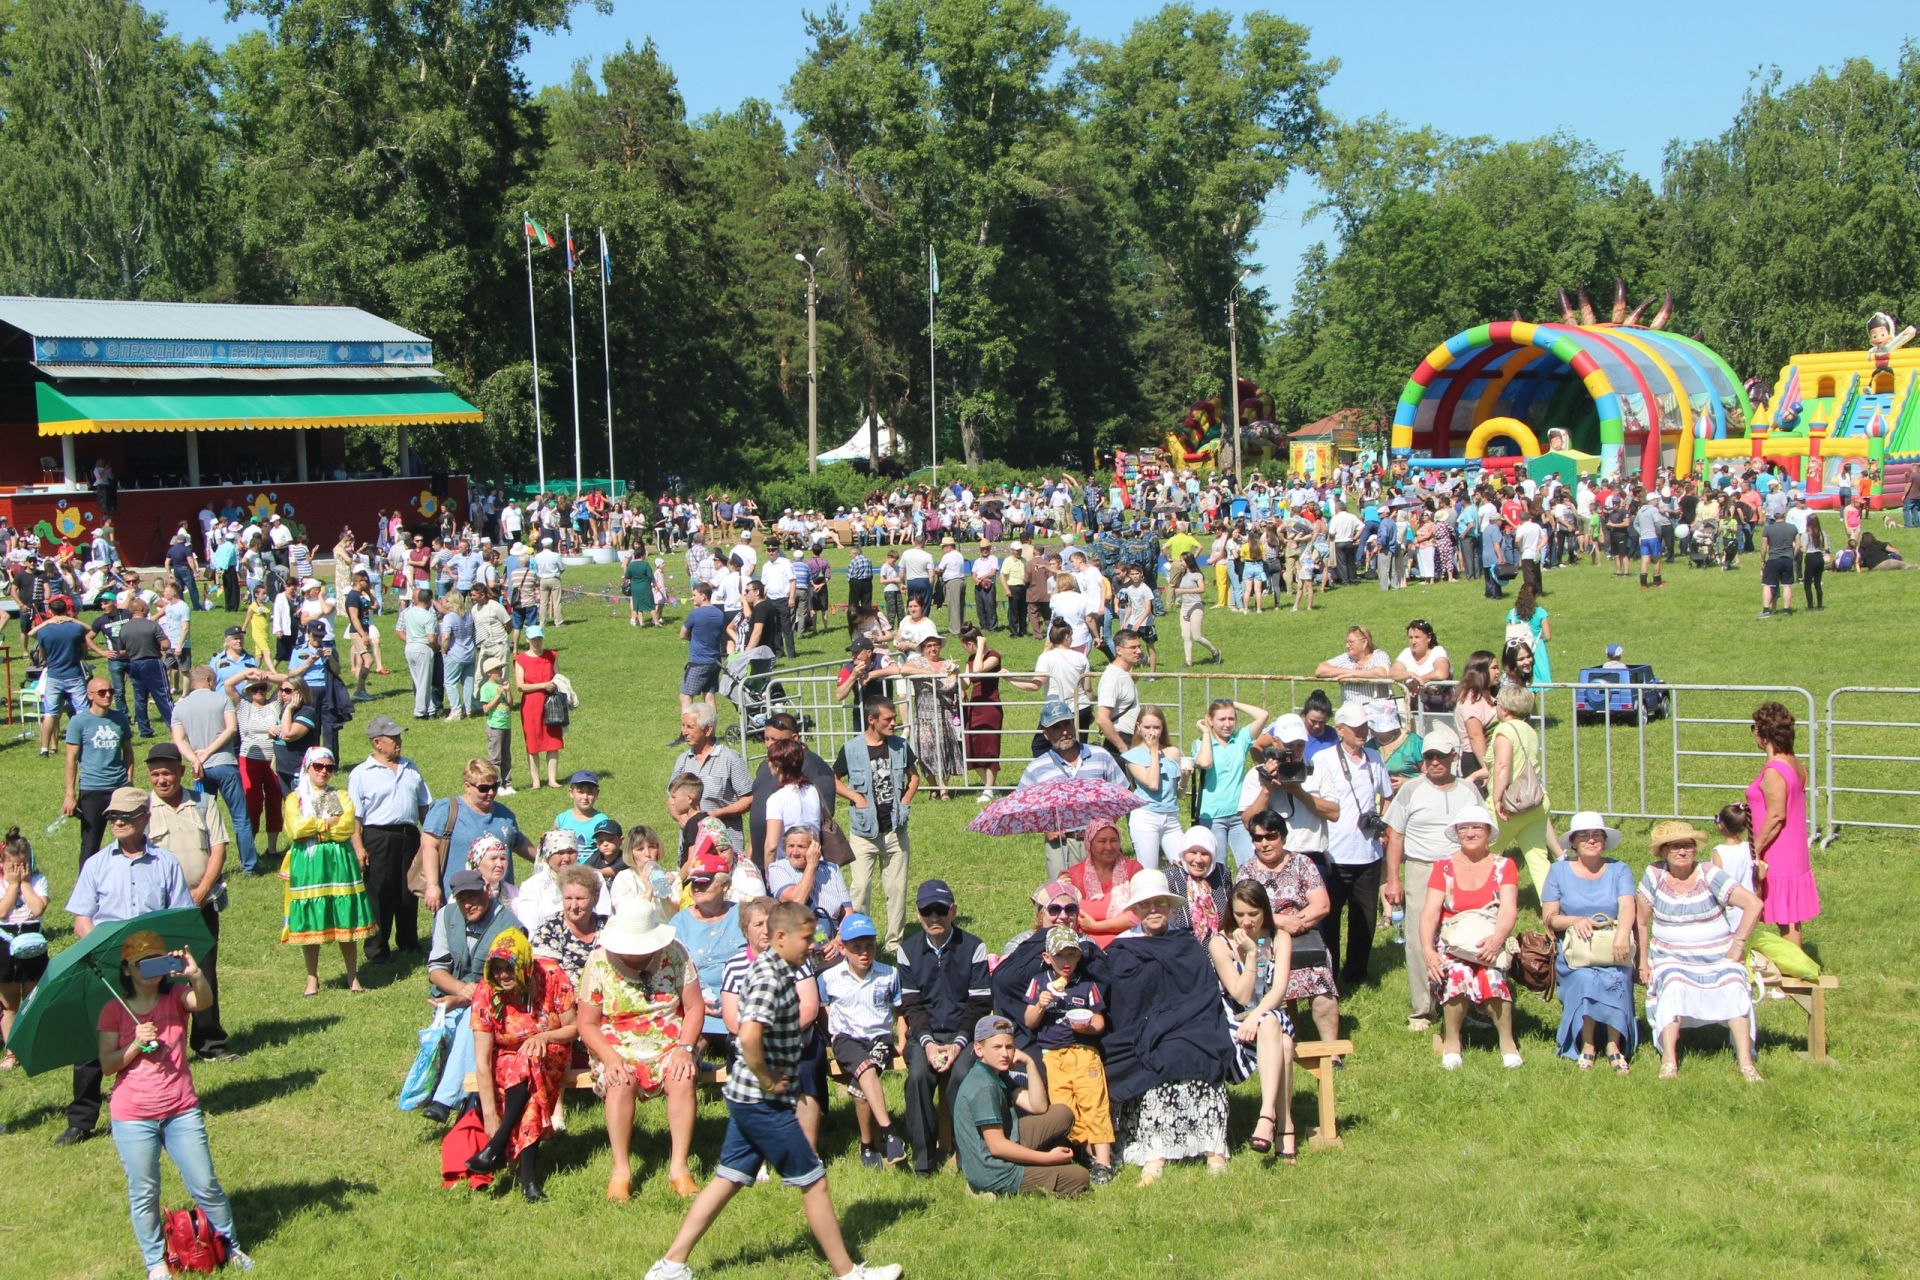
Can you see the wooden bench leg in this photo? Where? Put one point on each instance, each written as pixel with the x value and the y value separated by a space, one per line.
pixel 1817 1026
pixel 1327 1135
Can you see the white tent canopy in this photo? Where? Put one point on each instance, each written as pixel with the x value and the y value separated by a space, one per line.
pixel 856 449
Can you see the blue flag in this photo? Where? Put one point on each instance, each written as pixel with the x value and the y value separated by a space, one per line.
pixel 933 269
pixel 606 259
pixel 572 260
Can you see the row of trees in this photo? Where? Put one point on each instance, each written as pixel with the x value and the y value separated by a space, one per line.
pixel 1091 204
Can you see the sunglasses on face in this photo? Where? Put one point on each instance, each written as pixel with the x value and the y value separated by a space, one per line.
pixel 938 911
pixel 121 817
pixel 1265 837
pixel 1063 908
pixel 320 768
pixel 485 788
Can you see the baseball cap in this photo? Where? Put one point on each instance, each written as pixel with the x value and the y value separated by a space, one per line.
pixel 857 926
pixel 1440 738
pixel 164 753
pixel 1614 650
pixel 313 584
pixel 383 727
pixel 467 881
pixel 1060 938
pixel 933 892
pixel 1289 729
pixel 134 800
pixel 536 632
pixel 1353 715
pixel 1055 711
pixel 861 644
pixel 233 633
pixel 990 1026
pixel 707 866
pixel 584 778
pixel 607 827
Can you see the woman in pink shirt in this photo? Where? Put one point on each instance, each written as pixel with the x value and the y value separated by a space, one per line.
pixel 144 1044
pixel 1101 879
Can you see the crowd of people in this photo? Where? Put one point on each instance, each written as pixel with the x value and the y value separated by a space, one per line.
pixel 1171 954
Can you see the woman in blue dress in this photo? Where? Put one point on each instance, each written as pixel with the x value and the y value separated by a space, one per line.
pixel 1583 892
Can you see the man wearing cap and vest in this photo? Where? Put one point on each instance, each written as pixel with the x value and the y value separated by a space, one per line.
pixel 1419 826
pixel 195 832
pixel 390 798
pixel 128 877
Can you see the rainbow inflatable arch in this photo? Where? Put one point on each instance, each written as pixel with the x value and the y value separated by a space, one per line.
pixel 1609 386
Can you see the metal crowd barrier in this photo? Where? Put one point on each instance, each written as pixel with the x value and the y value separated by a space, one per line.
pixel 1892 742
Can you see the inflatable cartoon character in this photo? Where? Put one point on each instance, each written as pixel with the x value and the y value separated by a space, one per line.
pixel 1882 341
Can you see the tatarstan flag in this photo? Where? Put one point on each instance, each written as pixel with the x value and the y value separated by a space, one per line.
pixel 537 233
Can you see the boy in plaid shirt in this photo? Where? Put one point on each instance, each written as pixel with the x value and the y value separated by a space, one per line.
pixel 761 1125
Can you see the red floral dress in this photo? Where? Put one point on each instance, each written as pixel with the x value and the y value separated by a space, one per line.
pixel 1462 979
pixel 549 997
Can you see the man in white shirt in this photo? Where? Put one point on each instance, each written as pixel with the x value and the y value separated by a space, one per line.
pixel 777 577
pixel 511 523
pixel 953 576
pixel 547 568
pixel 1352 776
pixel 1135 603
pixel 916 571
pixel 1345 528
pixel 1117 700
pixel 1529 538
pixel 743 552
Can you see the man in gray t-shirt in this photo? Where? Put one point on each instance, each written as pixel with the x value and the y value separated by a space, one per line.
pixel 1647 520
pixel 1780 540
pixel 205 730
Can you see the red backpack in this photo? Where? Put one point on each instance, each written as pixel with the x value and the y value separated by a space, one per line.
pixel 192 1243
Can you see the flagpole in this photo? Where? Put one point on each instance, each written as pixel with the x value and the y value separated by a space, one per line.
pixel 539 444
pixel 573 347
pixel 606 353
pixel 933 394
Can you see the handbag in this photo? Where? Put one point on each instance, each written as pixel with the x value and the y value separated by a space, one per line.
pixel 417 866
pixel 1462 935
pixel 1524 790
pixel 1595 949
pixel 1533 963
pixel 557 713
pixel 834 845
pixel 429 1062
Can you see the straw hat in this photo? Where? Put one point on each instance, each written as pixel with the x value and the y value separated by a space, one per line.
pixel 1672 831
pixel 636 929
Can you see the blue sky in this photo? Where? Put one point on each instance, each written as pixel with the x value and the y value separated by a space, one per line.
pixel 1629 75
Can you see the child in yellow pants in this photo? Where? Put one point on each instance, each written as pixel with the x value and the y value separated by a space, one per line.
pixel 1066 1013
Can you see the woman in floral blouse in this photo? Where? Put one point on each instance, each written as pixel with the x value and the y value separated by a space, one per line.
pixel 569 935
pixel 640 1014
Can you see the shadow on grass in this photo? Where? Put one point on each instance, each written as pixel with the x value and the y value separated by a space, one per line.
pixel 278 1031
pixel 258 1211
pixel 400 965
pixel 859 1221
pixel 238 1095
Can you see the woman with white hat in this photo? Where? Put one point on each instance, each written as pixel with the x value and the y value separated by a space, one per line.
pixel 1473 898
pixel 1588 901
pixel 1169 1050
pixel 640 1014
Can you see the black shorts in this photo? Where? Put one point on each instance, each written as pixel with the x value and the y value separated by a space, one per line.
pixel 1777 572
pixel 1619 542
pixel 854 1055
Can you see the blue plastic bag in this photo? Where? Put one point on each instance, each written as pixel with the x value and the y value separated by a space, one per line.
pixel 423 1077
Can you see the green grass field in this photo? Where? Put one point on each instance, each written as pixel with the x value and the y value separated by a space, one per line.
pixel 1531 1172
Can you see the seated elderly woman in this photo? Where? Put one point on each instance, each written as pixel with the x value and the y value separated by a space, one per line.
pixel 1101 879
pixel 570 934
pixel 640 1012
pixel 1473 898
pixel 1198 877
pixel 1169 1051
pixel 1588 902
pixel 464 931
pixel 1252 959
pixel 1691 947
pixel 523 1029
pixel 490 857
pixel 539 898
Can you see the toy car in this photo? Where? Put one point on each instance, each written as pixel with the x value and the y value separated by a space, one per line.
pixel 1638 705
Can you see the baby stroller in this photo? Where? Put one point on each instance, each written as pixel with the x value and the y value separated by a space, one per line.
pixel 747 682
pixel 1703 548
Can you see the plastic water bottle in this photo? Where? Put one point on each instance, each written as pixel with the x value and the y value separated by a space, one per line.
pixel 1398 918
pixel 59 824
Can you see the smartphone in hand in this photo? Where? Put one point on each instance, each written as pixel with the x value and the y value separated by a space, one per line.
pixel 162 966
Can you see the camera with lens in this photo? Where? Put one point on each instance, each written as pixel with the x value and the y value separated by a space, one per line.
pixel 1373 826
pixel 1278 763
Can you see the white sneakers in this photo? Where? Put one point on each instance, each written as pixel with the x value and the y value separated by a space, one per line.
pixel 1449 1062
pixel 665 1270
pixel 1512 1060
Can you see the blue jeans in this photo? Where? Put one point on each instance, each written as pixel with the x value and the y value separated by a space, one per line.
pixel 117 676
pixel 225 778
pixel 72 692
pixel 1910 513
pixel 456 675
pixel 189 587
pixel 1231 834
pixel 185 1138
pixel 149 678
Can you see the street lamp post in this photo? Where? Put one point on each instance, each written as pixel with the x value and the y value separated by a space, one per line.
pixel 813 376
pixel 1233 375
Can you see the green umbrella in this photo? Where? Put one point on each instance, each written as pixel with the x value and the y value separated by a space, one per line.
pixel 59 1024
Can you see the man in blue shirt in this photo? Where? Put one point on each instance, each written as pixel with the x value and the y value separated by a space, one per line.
pixel 131 877
pixel 705 632
pixel 99 759
pixel 63 645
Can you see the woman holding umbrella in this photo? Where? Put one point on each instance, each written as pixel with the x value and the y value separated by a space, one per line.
pixel 143 1042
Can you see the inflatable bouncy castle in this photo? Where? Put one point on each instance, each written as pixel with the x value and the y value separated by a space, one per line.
pixel 1203 440
pixel 1632 393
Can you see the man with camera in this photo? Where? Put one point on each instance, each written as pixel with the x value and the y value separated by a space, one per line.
pixel 1418 824
pixel 1279 784
pixel 1352 777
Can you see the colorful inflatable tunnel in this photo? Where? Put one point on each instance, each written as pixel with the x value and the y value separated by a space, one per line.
pixel 1609 386
pixel 1502 429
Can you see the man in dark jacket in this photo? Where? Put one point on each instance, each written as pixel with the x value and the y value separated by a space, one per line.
pixel 944 990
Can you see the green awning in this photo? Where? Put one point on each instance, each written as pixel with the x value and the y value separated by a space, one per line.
pixel 68 411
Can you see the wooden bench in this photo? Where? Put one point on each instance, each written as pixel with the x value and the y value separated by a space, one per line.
pixel 1310 1057
pixel 1811 995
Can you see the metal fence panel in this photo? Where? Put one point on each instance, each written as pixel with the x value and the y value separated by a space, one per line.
pixel 1858 752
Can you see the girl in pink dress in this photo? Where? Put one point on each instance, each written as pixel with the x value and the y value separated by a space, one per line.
pixel 1777 798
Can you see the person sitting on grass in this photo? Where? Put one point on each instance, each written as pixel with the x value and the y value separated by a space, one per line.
pixel 866 1030
pixel 1006 1131
pixel 1066 1012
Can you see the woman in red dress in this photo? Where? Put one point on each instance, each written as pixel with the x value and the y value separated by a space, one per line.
pixel 533 675
pixel 523 1032
pixel 983 712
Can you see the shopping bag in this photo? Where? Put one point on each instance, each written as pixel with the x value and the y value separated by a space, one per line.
pixel 423 1077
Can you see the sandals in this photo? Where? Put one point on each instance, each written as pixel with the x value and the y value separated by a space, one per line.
pixel 1669 1070
pixel 1585 1060
pixel 1751 1074
pixel 1289 1148
pixel 1264 1145
pixel 1618 1061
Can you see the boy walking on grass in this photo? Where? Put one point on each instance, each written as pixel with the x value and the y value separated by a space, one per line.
pixel 494 699
pixel 865 1028
pixel 761 1124
pixel 1008 1138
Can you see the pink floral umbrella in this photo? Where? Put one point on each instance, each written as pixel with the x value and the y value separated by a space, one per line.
pixel 1068 804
